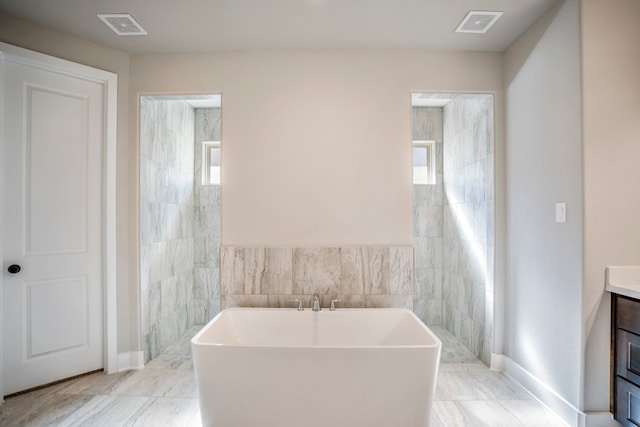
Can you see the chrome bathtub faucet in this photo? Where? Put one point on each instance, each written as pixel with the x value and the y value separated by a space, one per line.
pixel 316 303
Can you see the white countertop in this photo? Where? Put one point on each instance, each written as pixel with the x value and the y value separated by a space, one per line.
pixel 623 280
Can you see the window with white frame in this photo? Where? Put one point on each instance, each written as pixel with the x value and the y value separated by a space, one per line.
pixel 424 162
pixel 211 163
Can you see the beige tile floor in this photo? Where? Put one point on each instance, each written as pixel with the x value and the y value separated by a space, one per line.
pixel 163 394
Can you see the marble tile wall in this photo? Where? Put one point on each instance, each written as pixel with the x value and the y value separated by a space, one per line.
pixel 167 221
pixel 468 222
pixel 361 277
pixel 206 272
pixel 428 222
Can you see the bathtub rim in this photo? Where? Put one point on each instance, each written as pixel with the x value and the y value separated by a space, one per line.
pixel 436 344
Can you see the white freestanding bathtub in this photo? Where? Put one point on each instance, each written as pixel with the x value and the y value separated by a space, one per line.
pixel 283 367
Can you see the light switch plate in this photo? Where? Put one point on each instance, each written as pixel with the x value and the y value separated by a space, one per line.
pixel 561 212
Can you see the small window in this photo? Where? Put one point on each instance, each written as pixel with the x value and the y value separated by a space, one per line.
pixel 423 162
pixel 211 163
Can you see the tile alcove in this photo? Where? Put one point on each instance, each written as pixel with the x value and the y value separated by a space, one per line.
pixel 454 219
pixel 446 277
pixel 179 218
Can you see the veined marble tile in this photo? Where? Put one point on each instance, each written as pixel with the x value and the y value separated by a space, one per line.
pixel 159 262
pixel 147 126
pixel 352 270
pixel 254 270
pixel 316 270
pixel 448 224
pixel 425 195
pixel 488 329
pixel 426 123
pixel 244 301
pixel 474 260
pixel 207 252
pixel 278 273
pixel 186 221
pixel 377 271
pixel 207 221
pixel 144 178
pixel 491 223
pixel 434 311
pixel 107 411
pixel 401 270
pixel 231 271
pixel 388 301
pixel 480 222
pixel 530 413
pixel 502 413
pixel 171 360
pixel 46 409
pixel 490 268
pixel 144 267
pixel 478 385
pixel 94 384
pixel 489 178
pixel 208 124
pixel 428 283
pixel 158 382
pixel 165 411
pixel 201 310
pixel 439 157
pixel 168 295
pixel 428 252
pixel 480 414
pixel 204 280
pixel 184 289
pixel 154 302
pixel 428 221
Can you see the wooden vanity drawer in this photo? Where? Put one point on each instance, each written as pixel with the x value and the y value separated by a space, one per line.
pixel 628 314
pixel 627 403
pixel 628 355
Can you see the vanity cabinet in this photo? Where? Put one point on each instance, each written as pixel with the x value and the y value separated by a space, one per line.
pixel 626 360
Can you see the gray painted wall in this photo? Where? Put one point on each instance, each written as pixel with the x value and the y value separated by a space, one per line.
pixel 543 310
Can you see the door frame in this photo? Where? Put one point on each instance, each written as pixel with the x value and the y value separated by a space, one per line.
pixel 109 81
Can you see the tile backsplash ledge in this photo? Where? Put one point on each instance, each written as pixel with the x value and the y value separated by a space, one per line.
pixel 368 276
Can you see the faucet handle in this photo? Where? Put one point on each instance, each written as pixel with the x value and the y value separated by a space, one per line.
pixel 300 306
pixel 333 305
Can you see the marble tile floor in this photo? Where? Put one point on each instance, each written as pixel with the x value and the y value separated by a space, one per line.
pixel 163 394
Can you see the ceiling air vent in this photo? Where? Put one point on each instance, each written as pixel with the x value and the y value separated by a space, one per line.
pixel 122 24
pixel 478 22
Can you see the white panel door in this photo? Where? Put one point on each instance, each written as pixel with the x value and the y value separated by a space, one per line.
pixel 52 153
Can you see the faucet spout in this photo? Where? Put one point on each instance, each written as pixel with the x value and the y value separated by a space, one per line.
pixel 316 303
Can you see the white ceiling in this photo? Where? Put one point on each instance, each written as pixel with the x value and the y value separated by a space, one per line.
pixel 213 25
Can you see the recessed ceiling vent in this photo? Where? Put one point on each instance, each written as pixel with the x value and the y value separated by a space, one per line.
pixel 478 22
pixel 122 24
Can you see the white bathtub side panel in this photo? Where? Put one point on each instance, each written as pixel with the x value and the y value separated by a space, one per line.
pixel 315 387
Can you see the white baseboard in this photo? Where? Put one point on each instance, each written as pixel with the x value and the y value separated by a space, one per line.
pixel 498 362
pixel 598 419
pixel 130 360
pixel 542 392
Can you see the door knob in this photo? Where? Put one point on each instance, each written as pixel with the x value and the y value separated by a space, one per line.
pixel 14 268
